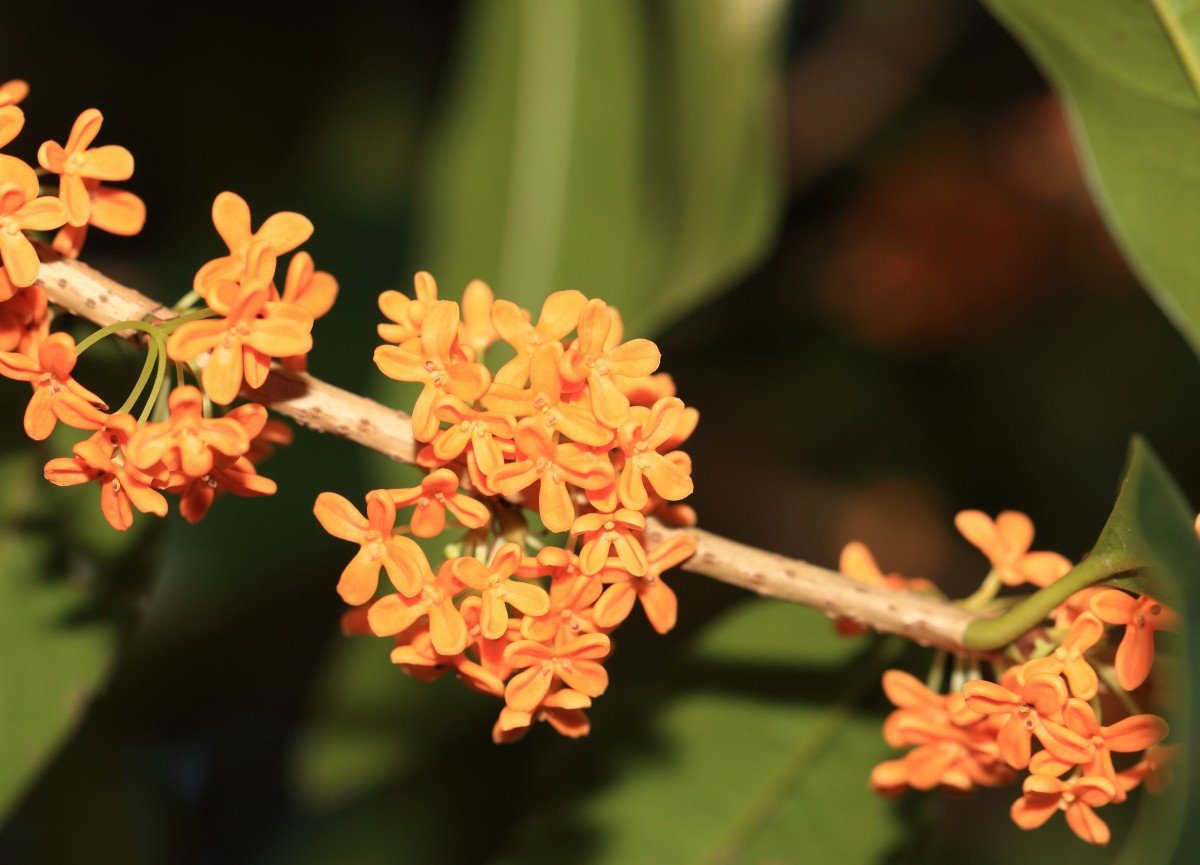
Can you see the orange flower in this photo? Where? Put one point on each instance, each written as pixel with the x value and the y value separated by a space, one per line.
pixel 438 365
pixel 573 662
pixel 1006 541
pixel 1068 659
pixel 254 330
pixel 23 319
pixel 436 494
pixel 407 314
pixel 13 92
pixel 544 401
pixel 274 433
pixel 1141 617
pixel 498 590
pixel 641 438
pixel 482 430
pixel 310 289
pixel 477 331
pixel 859 564
pixel 560 314
pixel 490 652
pixel 591 358
pixel 657 599
pixel 79 162
pixel 1077 797
pixel 570 612
pixel 20 211
pixel 116 211
pixel 99 459
pixel 56 396
pixel 238 477
pixel 12 121
pixel 282 232
pixel 399 556
pixel 562 709
pixel 187 442
pixel 605 533
pixel 1127 736
pixel 392 614
pixel 552 466
pixel 955 747
pixel 1154 770
pixel 1031 712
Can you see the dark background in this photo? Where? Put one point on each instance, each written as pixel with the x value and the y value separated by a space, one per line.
pixel 940 322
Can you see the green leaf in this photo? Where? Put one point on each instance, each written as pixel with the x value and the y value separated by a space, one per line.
pixel 755 749
pixel 1129 74
pixel 571 155
pixel 57 639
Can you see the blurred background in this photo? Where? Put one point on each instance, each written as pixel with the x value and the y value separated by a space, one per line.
pixel 860 236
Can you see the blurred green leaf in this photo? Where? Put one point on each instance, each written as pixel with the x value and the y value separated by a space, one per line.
pixel 57 640
pixel 1153 523
pixel 1129 73
pixel 755 751
pixel 572 155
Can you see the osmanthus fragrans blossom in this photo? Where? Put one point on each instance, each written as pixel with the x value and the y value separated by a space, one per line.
pixel 542 486
pixel 221 339
pixel 1060 707
pixel 577 430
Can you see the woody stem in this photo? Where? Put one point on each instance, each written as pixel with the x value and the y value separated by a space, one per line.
pixel 323 407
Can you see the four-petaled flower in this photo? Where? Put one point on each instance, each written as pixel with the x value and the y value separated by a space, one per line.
pixel 1031 711
pixel 254 330
pixel 282 232
pixel 483 431
pixel 573 662
pixel 657 599
pixel 1006 541
pixel 498 590
pixel 188 441
pixel 392 614
pixel 22 210
pixel 100 458
pixel 437 363
pixel 1141 618
pixel 79 162
pixel 1069 660
pixel 552 465
pixel 1046 795
pixel 641 438
pixel 607 533
pixel 560 314
pixel 544 400
pixel 437 493
pixel 591 358
pixel 399 556
pixel 56 395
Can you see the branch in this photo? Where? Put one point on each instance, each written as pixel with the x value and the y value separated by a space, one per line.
pixel 89 294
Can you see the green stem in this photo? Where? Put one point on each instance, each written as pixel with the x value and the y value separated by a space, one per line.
pixel 159 378
pixel 170 326
pixel 119 326
pixel 143 377
pixel 186 302
pixel 937 673
pixel 988 635
pixel 982 596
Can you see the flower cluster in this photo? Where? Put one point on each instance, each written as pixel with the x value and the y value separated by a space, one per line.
pixel 1067 691
pixel 177 444
pixel 579 430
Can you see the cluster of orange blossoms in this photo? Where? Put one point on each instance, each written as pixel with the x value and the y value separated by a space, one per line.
pixel 176 445
pixel 1055 689
pixel 579 430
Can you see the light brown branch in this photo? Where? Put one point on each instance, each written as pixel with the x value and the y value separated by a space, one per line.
pixel 90 294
